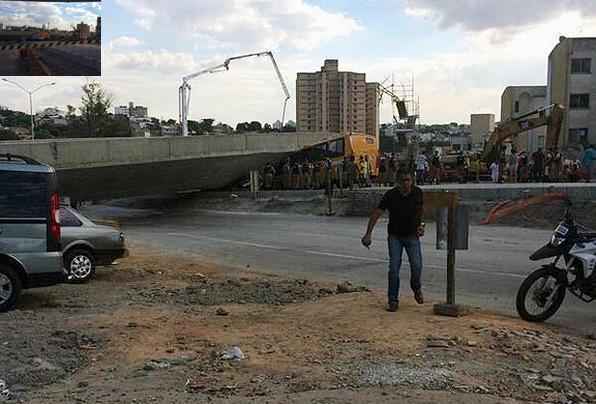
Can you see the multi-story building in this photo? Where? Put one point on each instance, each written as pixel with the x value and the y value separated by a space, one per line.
pixel 137 111
pixel 517 101
pixel 482 126
pixel 334 101
pixel 121 110
pixel 132 111
pixel 373 94
pixel 82 31
pixel 572 83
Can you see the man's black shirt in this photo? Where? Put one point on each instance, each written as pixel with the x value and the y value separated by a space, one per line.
pixel 405 211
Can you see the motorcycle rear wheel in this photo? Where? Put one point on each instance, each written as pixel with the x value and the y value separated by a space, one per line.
pixel 553 302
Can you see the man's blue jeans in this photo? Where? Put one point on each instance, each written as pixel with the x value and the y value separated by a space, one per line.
pixel 396 248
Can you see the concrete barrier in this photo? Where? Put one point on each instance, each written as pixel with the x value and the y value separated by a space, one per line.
pixel 362 201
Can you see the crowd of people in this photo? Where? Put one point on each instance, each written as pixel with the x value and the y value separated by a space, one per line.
pixel 427 168
pixel 308 174
pixel 543 166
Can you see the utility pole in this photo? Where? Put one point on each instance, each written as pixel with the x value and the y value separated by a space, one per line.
pixel 30 93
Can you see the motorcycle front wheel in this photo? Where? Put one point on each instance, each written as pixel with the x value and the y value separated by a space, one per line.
pixel 540 295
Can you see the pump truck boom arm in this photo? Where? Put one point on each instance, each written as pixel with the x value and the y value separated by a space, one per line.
pixel 184 90
pixel 551 116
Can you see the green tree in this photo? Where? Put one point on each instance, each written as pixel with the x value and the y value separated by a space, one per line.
pixel 255 126
pixel 43 133
pixel 70 112
pixel 242 127
pixel 6 134
pixel 96 103
pixel 206 126
pixel 267 128
pixel 193 126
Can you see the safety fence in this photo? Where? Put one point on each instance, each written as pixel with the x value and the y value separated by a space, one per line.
pixel 45 44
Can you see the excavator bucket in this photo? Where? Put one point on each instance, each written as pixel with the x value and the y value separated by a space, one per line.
pixel 508 208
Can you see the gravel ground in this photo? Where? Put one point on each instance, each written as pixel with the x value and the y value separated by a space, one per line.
pixel 210 292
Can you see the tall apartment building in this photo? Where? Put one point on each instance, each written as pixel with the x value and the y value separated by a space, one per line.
pixel 517 101
pixel 481 126
pixel 82 31
pixel 572 83
pixel 98 29
pixel 334 101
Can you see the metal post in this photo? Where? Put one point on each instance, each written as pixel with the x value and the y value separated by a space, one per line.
pixel 31 110
pixel 451 234
pixel 341 169
pixel 329 193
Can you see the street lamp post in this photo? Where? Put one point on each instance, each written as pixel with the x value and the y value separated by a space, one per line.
pixel 30 100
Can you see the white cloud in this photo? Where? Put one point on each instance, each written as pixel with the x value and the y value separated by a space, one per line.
pixel 125 42
pixel 452 84
pixel 507 15
pixel 245 23
pixel 36 14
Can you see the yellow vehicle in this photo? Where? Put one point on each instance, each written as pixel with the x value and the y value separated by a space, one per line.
pixel 363 145
pixel 350 145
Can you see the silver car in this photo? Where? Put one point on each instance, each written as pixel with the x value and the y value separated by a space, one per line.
pixel 86 245
pixel 30 254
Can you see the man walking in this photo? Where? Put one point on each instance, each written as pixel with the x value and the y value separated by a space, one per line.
pixel 405 206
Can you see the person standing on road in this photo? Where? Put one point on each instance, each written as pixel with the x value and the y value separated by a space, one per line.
pixel 405 204
pixel 287 174
pixel 538 158
pixel 587 161
pixel 269 176
pixel 495 171
pixel 421 164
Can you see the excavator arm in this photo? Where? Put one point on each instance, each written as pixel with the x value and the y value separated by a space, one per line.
pixel 551 116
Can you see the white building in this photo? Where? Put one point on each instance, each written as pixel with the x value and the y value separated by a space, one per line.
pixel 121 110
pixel 517 101
pixel 572 83
pixel 482 125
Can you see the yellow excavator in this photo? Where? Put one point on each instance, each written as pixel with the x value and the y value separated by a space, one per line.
pixel 551 117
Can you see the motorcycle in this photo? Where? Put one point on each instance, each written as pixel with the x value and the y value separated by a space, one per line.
pixel 573 248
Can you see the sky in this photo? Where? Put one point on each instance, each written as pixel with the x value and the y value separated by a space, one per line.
pixel 57 15
pixel 460 54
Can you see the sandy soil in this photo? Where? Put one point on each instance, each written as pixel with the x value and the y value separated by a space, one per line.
pixel 156 329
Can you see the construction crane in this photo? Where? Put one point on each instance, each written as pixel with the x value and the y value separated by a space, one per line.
pixel 184 90
pixel 551 117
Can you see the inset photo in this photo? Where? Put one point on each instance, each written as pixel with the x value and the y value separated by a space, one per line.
pixel 50 38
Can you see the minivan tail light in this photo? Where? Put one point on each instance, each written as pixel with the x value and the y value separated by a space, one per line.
pixel 55 216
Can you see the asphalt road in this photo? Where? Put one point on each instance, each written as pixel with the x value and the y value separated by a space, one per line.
pixel 328 248
pixel 83 60
pixel 10 64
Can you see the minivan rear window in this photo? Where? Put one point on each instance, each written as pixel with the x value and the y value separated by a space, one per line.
pixel 23 195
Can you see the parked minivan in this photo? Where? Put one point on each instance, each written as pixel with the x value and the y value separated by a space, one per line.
pixel 30 251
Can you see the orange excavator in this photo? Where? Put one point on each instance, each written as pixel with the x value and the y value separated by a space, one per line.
pixel 551 117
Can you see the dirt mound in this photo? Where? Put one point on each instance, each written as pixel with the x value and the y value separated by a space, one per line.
pixel 34 353
pixel 211 292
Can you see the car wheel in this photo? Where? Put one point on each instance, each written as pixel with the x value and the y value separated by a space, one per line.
pixel 80 265
pixel 10 287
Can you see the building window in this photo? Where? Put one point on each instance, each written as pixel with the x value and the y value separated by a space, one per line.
pixel 516 106
pixel 581 66
pixel 578 136
pixel 579 101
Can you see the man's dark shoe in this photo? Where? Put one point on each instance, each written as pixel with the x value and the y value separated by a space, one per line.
pixel 393 306
pixel 418 296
